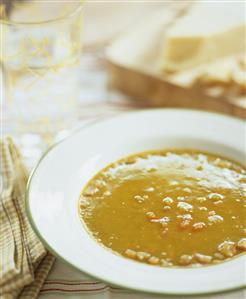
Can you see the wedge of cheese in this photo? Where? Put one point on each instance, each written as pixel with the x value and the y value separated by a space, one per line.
pixel 208 31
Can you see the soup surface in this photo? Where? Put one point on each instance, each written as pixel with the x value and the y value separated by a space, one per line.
pixel 168 208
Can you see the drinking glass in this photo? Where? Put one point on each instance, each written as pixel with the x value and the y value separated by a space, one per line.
pixel 40 55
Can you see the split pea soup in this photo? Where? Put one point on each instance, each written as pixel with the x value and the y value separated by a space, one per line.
pixel 168 208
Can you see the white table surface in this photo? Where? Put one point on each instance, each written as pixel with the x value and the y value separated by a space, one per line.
pixel 61 272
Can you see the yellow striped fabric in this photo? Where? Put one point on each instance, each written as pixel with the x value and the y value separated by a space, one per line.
pixel 24 262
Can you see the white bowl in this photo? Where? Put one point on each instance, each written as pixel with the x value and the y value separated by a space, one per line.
pixel 56 182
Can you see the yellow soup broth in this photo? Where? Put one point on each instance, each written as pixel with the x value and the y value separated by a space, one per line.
pixel 168 208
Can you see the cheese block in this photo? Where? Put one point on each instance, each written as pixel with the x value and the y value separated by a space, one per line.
pixel 209 30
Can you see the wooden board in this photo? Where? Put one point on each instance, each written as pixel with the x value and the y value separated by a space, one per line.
pixel 158 92
pixel 133 67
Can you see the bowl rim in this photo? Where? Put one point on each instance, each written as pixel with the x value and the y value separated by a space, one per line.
pixel 65 261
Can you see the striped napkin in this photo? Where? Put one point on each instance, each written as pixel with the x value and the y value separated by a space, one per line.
pixel 24 262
